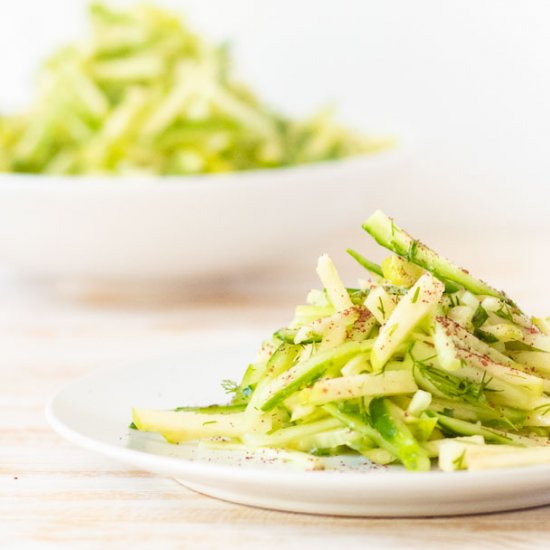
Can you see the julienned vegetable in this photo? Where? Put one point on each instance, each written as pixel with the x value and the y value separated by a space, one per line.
pixel 145 95
pixel 423 362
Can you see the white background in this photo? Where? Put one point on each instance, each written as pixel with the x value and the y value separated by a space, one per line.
pixel 467 82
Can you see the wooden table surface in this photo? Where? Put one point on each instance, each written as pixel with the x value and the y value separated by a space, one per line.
pixel 55 494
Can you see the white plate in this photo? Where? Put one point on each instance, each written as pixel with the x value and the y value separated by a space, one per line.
pixel 152 229
pixel 94 412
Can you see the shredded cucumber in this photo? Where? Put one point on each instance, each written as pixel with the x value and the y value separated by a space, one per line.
pixel 408 369
pixel 144 94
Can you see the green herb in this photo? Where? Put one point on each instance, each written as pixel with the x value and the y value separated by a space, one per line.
pixel 459 461
pixel 480 316
pixel 450 286
pixel 381 307
pixel 288 336
pixel 229 386
pixel 453 386
pixel 455 301
pixel 366 263
pixel 504 313
pixel 324 452
pixel 395 290
pixel 357 295
pixel 484 383
pixel 393 329
pixel 486 337
pixel 411 254
pixel 213 409
pixel 543 409
pixel 415 295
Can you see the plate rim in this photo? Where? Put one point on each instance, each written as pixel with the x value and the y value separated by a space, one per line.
pixel 376 477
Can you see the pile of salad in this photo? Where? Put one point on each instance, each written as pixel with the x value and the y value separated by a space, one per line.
pixel 143 94
pixel 422 362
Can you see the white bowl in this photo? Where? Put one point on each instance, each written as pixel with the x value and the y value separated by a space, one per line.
pixel 173 228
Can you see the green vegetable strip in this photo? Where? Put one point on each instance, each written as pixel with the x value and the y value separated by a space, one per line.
pixel 214 409
pixel 288 335
pixel 359 424
pixel 367 264
pixel 293 433
pixel 308 371
pixel 461 427
pixel 387 234
pixel 387 418
pixel 283 358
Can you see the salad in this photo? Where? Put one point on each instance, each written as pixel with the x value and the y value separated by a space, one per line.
pixel 144 94
pixel 421 363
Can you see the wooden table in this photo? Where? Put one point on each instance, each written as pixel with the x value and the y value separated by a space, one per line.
pixel 55 494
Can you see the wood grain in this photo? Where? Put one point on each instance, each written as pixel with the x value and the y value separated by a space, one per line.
pixel 53 494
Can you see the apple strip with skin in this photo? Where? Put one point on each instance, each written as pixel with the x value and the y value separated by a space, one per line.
pixel 394 382
pixel 307 371
pixel 181 426
pixel 539 361
pixel 336 290
pixel 506 332
pixel 470 455
pixel 387 234
pixel 421 299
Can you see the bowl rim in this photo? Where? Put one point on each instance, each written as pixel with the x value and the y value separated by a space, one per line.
pixel 14 181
